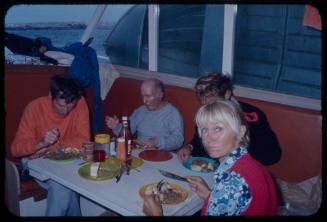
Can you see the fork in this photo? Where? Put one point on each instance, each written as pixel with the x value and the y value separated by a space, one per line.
pixel 120 173
pixel 159 185
pixel 59 139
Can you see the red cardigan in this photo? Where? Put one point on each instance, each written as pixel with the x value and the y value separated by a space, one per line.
pixel 261 185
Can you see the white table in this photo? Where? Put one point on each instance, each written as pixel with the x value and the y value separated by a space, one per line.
pixel 122 197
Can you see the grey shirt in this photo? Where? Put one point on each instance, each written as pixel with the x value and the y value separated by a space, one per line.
pixel 164 125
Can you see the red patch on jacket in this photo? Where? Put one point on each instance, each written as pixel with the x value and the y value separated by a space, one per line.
pixel 251 117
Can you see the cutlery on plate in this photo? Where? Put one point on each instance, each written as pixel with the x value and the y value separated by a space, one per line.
pixel 98 168
pixel 172 175
pixel 128 165
pixel 159 185
pixel 121 171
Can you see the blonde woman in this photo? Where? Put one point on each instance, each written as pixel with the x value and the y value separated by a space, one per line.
pixel 242 185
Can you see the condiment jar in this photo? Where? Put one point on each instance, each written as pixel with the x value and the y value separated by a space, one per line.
pixel 102 142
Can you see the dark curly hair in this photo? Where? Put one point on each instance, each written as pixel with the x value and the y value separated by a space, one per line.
pixel 213 84
pixel 65 87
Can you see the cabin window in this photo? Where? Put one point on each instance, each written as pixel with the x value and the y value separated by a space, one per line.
pixel 125 42
pixel 34 21
pixel 275 51
pixel 189 37
pixel 186 39
pixel 180 39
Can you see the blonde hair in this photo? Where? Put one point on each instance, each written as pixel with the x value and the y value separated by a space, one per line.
pixel 225 111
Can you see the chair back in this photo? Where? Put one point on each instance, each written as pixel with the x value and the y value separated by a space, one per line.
pixel 12 188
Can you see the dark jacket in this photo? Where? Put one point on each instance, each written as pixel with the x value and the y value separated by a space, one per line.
pixel 264 145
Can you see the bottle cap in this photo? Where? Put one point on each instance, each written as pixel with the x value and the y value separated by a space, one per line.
pixel 120 139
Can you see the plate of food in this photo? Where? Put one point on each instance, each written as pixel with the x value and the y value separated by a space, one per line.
pixel 66 154
pixel 103 171
pixel 200 164
pixel 170 193
pixel 155 155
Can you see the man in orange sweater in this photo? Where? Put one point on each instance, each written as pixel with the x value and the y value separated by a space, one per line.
pixel 60 119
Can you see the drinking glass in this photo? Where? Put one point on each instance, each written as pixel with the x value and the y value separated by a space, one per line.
pixel 99 156
pixel 88 148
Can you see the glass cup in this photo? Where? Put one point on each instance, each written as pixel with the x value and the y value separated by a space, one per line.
pixel 99 155
pixel 88 149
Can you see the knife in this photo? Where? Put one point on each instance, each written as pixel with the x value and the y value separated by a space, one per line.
pixel 121 171
pixel 172 175
pixel 98 169
pixel 128 165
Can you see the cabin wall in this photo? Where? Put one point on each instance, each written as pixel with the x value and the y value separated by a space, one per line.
pixel 299 131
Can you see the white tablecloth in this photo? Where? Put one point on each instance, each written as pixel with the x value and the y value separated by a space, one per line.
pixel 122 197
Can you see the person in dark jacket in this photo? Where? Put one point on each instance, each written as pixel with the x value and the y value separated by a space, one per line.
pixel 30 47
pixel 264 145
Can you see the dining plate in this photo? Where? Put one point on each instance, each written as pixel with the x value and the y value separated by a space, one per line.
pixel 108 169
pixel 200 164
pixel 173 199
pixel 61 161
pixel 155 155
pixel 63 155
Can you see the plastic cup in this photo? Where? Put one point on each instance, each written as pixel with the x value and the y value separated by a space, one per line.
pixel 88 149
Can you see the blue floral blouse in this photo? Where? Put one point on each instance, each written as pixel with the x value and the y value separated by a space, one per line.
pixel 230 194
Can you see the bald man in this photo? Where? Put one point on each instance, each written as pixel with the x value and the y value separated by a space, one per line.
pixel 158 124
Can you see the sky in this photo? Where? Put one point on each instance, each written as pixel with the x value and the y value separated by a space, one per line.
pixel 61 13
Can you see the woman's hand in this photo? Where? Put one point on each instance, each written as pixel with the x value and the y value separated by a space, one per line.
pixel 184 153
pixel 152 206
pixel 111 122
pixel 199 186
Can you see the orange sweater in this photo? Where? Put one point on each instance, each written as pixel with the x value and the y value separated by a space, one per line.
pixel 39 117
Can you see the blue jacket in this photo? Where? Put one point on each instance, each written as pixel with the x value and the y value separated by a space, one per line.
pixel 85 68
